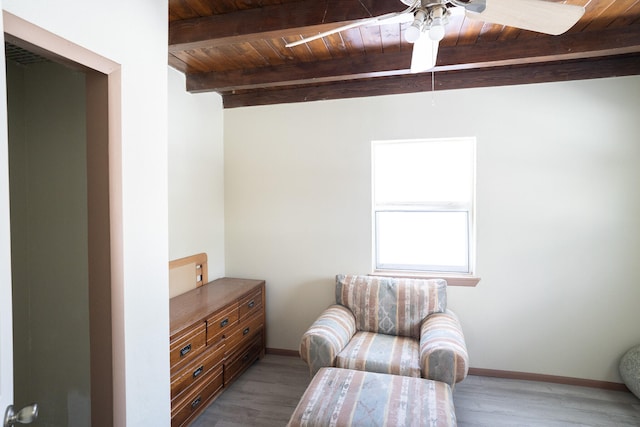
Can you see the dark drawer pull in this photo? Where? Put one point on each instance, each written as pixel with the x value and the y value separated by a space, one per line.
pixel 186 349
pixel 198 371
pixel 246 331
pixel 246 357
pixel 224 323
pixel 196 402
pixel 251 304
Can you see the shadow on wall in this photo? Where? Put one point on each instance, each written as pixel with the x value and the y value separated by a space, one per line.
pixel 304 301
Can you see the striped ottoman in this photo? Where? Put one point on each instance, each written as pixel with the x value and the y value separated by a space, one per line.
pixel 345 397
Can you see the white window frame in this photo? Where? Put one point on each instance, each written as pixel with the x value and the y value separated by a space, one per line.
pixel 444 206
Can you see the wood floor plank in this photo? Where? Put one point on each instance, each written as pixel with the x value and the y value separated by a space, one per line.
pixel 266 395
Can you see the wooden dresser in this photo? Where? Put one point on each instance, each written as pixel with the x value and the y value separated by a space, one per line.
pixel 217 331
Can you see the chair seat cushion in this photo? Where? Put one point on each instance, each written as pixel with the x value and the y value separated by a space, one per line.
pixel 387 354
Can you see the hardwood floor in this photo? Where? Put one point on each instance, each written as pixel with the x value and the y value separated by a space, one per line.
pixel 266 395
pixel 496 402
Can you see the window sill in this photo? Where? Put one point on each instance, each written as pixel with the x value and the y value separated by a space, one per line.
pixel 452 279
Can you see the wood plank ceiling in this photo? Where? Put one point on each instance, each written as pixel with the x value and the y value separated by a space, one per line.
pixel 237 48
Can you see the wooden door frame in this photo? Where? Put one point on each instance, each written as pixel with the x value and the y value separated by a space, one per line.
pixel 104 199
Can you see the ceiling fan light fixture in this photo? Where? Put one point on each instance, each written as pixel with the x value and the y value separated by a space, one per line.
pixel 436 31
pixel 413 31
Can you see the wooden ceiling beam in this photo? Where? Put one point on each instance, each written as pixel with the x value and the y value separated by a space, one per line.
pixel 285 20
pixel 493 54
pixel 612 66
pixel 364 66
pixel 616 41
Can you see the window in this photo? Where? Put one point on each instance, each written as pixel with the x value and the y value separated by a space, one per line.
pixel 423 205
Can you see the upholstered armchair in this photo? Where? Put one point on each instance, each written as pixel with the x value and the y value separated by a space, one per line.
pixel 389 325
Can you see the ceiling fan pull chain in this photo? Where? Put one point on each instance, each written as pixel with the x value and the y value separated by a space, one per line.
pixel 433 89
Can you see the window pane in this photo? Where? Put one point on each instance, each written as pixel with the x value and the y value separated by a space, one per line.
pixel 423 171
pixel 431 241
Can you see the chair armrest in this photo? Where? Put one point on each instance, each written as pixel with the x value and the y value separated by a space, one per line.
pixel 443 351
pixel 326 337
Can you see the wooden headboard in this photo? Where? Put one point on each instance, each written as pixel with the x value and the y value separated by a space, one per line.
pixel 187 273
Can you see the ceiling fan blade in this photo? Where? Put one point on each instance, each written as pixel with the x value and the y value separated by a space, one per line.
pixel 456 11
pixel 397 18
pixel 358 23
pixel 424 55
pixel 388 18
pixel 535 15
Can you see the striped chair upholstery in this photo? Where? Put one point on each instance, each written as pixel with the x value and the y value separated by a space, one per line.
pixel 342 397
pixel 443 352
pixel 387 354
pixel 328 335
pixel 389 305
pixel 388 325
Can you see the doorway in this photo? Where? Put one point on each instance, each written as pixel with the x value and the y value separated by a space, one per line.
pixel 63 146
pixel 48 192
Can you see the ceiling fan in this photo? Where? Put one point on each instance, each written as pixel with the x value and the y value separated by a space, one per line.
pixel 428 19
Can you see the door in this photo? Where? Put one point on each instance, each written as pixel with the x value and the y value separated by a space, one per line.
pixel 46 142
pixel 46 114
pixel 6 313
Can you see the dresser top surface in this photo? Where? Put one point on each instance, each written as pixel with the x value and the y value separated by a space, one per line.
pixel 197 304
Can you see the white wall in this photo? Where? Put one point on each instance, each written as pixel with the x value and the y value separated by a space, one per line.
pixel 133 34
pixel 557 214
pixel 196 189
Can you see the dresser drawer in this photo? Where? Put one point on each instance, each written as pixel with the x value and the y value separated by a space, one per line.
pixel 190 405
pixel 251 304
pixel 196 370
pixel 221 322
pixel 242 359
pixel 244 332
pixel 187 346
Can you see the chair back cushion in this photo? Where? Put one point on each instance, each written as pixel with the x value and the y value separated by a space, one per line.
pixel 389 305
